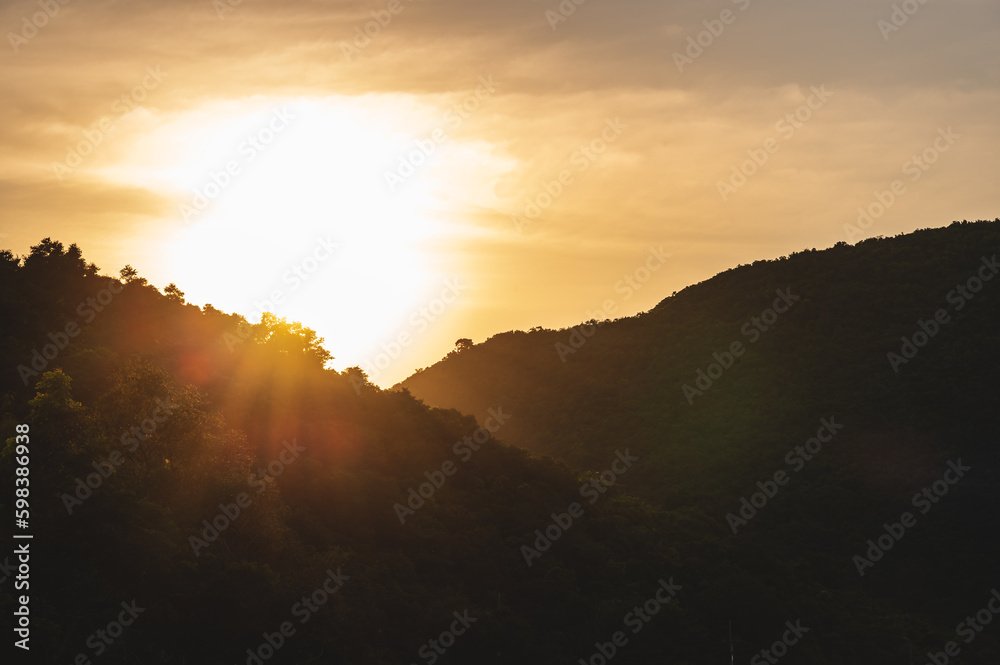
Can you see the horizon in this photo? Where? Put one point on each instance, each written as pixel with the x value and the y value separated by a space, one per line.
pixel 384 360
pixel 217 145
pixel 471 332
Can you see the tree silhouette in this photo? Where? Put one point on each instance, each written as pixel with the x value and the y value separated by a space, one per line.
pixel 129 275
pixel 174 293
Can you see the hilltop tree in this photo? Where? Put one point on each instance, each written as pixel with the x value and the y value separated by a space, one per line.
pixel 130 275
pixel 291 339
pixel 174 293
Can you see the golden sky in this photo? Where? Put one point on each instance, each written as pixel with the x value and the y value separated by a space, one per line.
pixel 483 166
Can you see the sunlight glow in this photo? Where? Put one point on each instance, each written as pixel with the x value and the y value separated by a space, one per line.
pixel 264 190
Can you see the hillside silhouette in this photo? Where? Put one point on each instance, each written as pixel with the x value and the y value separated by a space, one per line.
pixel 211 472
pixel 713 424
pixel 211 476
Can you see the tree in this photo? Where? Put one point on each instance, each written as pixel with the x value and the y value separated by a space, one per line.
pixel 60 425
pixel 174 293
pixel 357 378
pixel 463 344
pixel 51 263
pixel 9 263
pixel 290 339
pixel 130 275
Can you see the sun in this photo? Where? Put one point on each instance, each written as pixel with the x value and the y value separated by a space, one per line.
pixel 285 205
pixel 330 211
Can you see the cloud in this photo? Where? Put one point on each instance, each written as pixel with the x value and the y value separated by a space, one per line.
pixel 560 81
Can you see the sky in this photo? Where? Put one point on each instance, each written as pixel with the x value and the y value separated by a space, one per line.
pixel 398 174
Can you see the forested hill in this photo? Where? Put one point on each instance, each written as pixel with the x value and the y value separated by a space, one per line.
pixel 202 490
pixel 720 386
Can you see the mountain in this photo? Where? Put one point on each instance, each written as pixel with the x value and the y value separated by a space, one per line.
pixel 820 430
pixel 201 490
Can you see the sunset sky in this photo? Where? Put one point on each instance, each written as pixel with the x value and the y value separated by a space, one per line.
pixel 483 166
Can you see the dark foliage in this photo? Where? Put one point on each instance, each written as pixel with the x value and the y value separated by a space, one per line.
pixel 170 411
pixel 622 385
